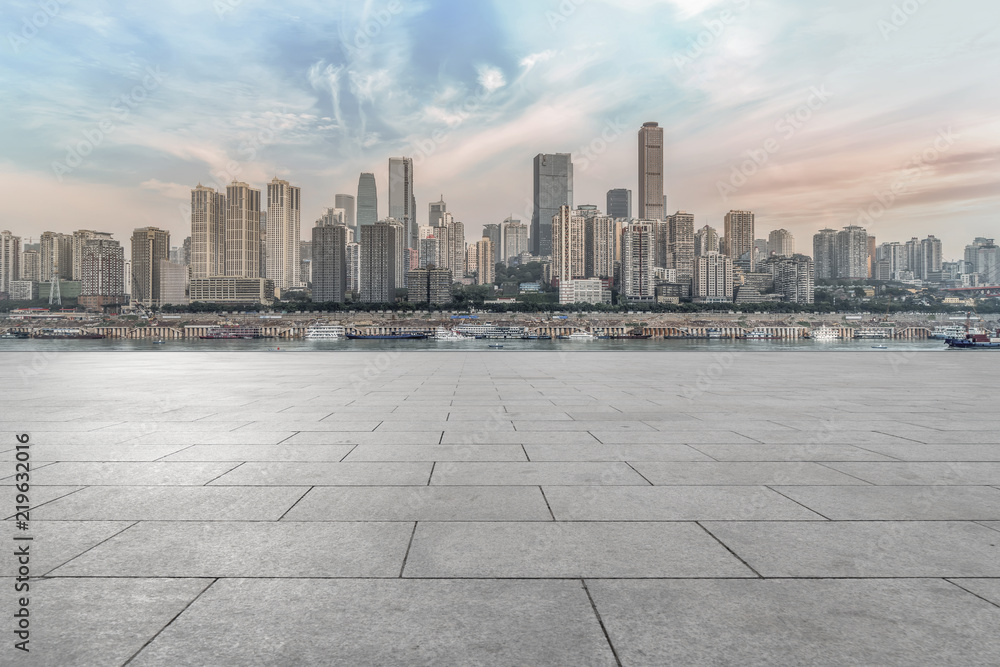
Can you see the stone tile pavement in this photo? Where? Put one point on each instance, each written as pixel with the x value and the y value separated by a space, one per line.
pixel 494 508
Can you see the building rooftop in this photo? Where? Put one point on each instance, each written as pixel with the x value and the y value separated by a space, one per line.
pixel 507 508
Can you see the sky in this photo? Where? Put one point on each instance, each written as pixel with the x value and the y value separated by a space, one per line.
pixel 874 112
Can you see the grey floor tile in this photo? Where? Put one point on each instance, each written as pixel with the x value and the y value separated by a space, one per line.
pixel 863 549
pixel 119 452
pixel 600 452
pixel 38 495
pixel 565 549
pixel 949 472
pixel 664 503
pixel 327 474
pixel 917 452
pixel 532 473
pixel 807 452
pixel 54 542
pixel 820 623
pixel 671 437
pixel 988 589
pixel 169 437
pixel 247 549
pixel 283 452
pixel 422 503
pixel 393 623
pixel 96 622
pixel 178 503
pixel 900 503
pixel 743 472
pixel 437 453
pixel 360 438
pixel 130 473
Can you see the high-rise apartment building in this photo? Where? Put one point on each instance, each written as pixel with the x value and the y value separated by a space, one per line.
pixel 485 270
pixel 713 277
pixel 599 247
pixel 79 238
pixel 431 286
pixel 456 248
pixel 284 203
pixel 793 277
pixel 930 251
pixel 401 198
pixel 568 245
pixel 825 253
pixel 378 260
pixel 638 250
pixel 494 231
pixel 149 246
pixel 329 262
pixel 553 188
pixel 739 233
pixel 353 258
pixel 243 247
pixel 652 202
pixel 851 253
pixel 208 232
pixel 57 255
pixel 706 240
pixel 402 257
pixel 982 258
pixel 31 265
pixel 472 260
pixel 780 243
pixel 515 239
pixel 619 203
pixel 102 278
pixel 367 200
pixel 173 283
pixel 680 244
pixel 10 260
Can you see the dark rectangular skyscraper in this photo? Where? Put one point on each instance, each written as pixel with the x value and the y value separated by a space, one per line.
pixel 378 263
pixel 329 263
pixel 652 204
pixel 620 203
pixel 553 187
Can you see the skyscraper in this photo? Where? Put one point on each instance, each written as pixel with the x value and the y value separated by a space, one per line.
pixel 31 265
pixel 401 198
pixel 553 187
pixel 485 273
pixel 456 248
pixel 149 246
pixel 515 239
pixel 568 245
pixel 793 277
pixel 930 249
pixel 739 233
pixel 494 232
pixel 706 240
pixel 599 247
pixel 851 253
pixel 283 234
pixel 638 249
pixel 208 232
pixel 824 253
pixel 353 254
pixel 367 200
pixel 346 202
pixel 402 257
pixel 10 260
pixel 378 263
pixel 652 202
pixel 57 255
pixel 436 212
pixel 102 279
pixel 79 238
pixel 329 262
pixel 780 243
pixel 243 247
pixel 619 204
pixel 680 244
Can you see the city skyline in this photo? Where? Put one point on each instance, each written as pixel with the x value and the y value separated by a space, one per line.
pixel 323 102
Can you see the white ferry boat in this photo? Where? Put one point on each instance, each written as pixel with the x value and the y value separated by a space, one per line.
pixel 325 332
pixel 873 332
pixel 944 333
pixel 825 333
pixel 579 335
pixel 758 334
pixel 490 331
pixel 444 334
